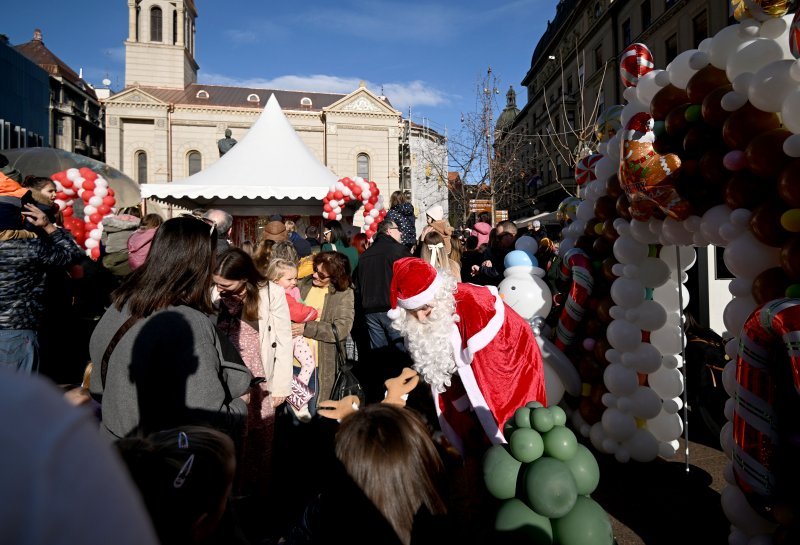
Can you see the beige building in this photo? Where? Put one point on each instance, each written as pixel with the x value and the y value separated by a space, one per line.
pixel 578 56
pixel 164 126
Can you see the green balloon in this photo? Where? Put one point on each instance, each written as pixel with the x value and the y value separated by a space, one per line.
pixel 522 417
pixel 500 472
pixel 586 524
pixel 560 443
pixel 559 416
pixel 526 445
pixel 692 113
pixel 542 419
pixel 585 470
pixel 509 427
pixel 550 487
pixel 516 523
pixel 533 404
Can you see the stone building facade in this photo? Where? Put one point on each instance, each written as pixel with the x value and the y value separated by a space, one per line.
pixel 164 126
pixel 578 57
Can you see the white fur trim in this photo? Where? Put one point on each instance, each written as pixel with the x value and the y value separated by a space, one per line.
pixel 488 333
pixel 394 313
pixel 423 297
pixel 480 406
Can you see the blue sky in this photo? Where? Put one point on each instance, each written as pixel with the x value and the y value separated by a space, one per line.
pixel 427 55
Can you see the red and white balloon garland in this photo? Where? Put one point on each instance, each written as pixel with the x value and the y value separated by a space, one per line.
pixel 357 188
pixel 98 200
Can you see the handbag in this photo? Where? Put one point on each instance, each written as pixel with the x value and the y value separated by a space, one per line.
pixel 301 394
pixel 345 382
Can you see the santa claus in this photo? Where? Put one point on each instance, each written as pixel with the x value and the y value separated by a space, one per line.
pixel 480 357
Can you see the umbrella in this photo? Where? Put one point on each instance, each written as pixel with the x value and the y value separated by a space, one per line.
pixel 47 161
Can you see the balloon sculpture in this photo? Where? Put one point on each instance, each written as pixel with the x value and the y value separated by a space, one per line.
pixel 97 199
pixel 544 477
pixel 358 188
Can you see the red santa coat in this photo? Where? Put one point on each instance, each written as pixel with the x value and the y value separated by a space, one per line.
pixel 499 367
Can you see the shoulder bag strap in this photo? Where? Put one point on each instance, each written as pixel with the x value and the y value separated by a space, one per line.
pixel 340 359
pixel 112 345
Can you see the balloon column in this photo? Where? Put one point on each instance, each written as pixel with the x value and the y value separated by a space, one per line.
pixel 358 188
pixel 544 477
pixel 97 199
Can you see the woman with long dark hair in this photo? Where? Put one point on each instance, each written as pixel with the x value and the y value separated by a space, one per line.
pixel 336 240
pixel 157 359
pixel 252 312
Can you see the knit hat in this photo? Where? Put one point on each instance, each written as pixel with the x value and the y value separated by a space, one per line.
pixel 481 230
pixel 414 284
pixel 276 231
pixel 536 224
pixel 436 213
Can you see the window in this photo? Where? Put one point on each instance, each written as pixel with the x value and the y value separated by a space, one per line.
pixel 156 25
pixel 569 85
pixel 305 102
pixel 202 93
pixel 174 27
pixel 581 74
pixel 252 97
pixel 362 166
pixel 141 167
pixel 195 162
pixel 671 47
pixel 599 59
pixel 699 27
pixel 138 15
pixel 626 32
pixel 597 9
pixel 646 13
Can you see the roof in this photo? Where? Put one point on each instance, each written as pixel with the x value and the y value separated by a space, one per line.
pixel 36 51
pixel 563 10
pixel 271 162
pixel 236 97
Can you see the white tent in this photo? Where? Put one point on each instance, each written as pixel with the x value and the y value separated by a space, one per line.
pixel 271 171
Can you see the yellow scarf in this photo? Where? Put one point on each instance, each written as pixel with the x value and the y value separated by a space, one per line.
pixel 315 299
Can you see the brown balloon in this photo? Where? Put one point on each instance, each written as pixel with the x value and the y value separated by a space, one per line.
pixel 704 81
pixel 790 257
pixel 589 370
pixel 612 186
pixel 665 144
pixel 606 269
pixel 623 207
pixel 589 230
pixel 745 124
pixel 589 411
pixel 605 208
pixel 599 351
pixel 770 284
pixel 608 227
pixel 675 123
pixel 745 190
pixel 766 223
pixel 789 184
pixel 712 168
pixel 603 310
pixel 696 142
pixel 712 111
pixel 667 99
pixel 584 242
pixel 602 248
pixel 765 156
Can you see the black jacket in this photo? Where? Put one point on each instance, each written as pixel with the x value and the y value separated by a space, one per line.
pixel 373 275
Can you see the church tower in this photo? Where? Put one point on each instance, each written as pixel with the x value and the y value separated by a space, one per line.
pixel 159 51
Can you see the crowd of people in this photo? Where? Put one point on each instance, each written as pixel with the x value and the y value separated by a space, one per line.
pixel 197 354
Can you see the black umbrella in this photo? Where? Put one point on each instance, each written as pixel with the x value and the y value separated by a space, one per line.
pixel 47 161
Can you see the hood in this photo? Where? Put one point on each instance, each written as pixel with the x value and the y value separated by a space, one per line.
pixel 406 209
pixel 121 222
pixel 140 239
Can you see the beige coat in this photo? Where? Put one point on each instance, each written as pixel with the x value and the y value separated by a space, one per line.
pixel 275 335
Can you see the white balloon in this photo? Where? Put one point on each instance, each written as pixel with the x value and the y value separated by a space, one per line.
pixel 640 230
pixel 676 232
pixel 673 405
pixel 374 213
pixel 100 192
pixel 96 201
pixel 653 272
pixel 665 426
pixel 669 297
pixel 597 436
pixel 645 359
pixel 642 446
pixel 791 146
pixel 627 292
pixel 736 313
pixel 88 210
pixel 618 425
pixel 770 85
pixel 730 406
pixel 369 220
pixel 737 509
pixel 732 348
pixel 91 243
pixel 610 400
pixel 668 449
pixel 746 256
pixel 724 44
pixel 585 211
pixel 729 377
pixel 670 256
pixel 651 316
pixel 753 56
pixel 680 70
pixel 647 87
pixel 790 111
pixel 620 380
pixel 629 250
pixel 726 439
pixel 646 403
pixel 96 234
pixel 667 339
pixel 667 383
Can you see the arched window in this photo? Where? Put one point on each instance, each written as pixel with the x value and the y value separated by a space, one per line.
pixel 202 93
pixel 156 26
pixel 174 27
pixel 362 166
pixel 195 162
pixel 141 167
pixel 252 97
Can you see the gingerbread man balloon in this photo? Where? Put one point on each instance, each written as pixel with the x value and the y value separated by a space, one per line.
pixel 646 176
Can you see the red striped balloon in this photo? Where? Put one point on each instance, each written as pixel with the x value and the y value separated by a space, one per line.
pixel 577 267
pixel 584 170
pixel 636 61
pixel 794 35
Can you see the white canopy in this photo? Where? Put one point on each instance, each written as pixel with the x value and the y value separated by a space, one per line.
pixel 270 171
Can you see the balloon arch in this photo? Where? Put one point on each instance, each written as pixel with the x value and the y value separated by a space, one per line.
pixel 705 152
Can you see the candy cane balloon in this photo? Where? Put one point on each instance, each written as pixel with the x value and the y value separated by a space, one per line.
pixel 577 267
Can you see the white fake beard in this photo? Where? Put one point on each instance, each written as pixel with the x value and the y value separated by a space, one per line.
pixel 429 342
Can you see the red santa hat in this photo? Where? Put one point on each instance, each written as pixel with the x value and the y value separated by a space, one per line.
pixel 414 284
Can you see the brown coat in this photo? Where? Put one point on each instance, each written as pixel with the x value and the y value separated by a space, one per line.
pixel 338 309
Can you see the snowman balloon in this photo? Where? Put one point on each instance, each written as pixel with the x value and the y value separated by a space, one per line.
pixel 524 291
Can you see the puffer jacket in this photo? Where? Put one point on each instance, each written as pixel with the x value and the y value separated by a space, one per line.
pixel 23 264
pixel 117 230
pixel 403 216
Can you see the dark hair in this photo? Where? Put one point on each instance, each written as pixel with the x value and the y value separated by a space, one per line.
pixel 471 243
pixel 337 232
pixel 180 274
pixel 359 242
pixel 337 266
pixel 386 449
pixel 37 182
pixel 235 264
pixel 158 462
pixel 151 221
pixel 398 197
pixel 311 231
pixel 284 250
pixel 132 211
pixel 385 225
pixel 249 247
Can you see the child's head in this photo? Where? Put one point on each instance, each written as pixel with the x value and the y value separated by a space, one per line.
pixel 283 272
pixel 151 221
pixel 45 186
pixel 185 477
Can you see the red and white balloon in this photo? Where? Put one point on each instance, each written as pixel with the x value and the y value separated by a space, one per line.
pixel 636 61
pixel 98 201
pixel 357 188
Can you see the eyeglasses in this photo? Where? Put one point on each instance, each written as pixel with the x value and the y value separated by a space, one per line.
pixel 326 232
pixel 320 275
pixel 183 443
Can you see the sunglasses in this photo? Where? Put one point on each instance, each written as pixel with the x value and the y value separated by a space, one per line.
pixel 320 275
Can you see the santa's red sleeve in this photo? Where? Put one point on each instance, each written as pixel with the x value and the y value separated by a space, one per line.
pixel 499 363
